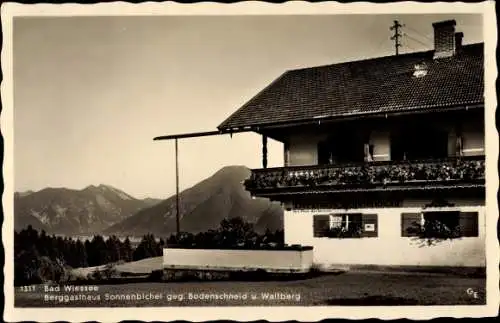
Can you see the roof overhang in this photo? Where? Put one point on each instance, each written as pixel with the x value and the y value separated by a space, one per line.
pixel 268 128
pixel 358 116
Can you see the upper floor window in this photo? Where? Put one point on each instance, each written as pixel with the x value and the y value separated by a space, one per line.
pixel 411 142
pixel 343 145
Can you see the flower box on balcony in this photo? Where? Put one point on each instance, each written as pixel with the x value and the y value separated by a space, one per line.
pixel 368 175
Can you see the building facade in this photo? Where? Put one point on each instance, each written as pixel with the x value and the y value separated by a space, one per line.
pixel 384 158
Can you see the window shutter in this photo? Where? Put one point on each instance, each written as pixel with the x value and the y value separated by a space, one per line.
pixel 469 226
pixel 408 220
pixel 369 225
pixel 321 224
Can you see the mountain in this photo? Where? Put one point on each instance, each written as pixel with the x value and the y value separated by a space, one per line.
pixel 203 206
pixel 66 211
pixel 21 194
pixel 149 201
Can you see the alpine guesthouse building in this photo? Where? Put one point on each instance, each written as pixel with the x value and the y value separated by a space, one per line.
pixel 376 149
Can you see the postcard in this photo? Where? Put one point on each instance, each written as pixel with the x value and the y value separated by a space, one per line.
pixel 294 161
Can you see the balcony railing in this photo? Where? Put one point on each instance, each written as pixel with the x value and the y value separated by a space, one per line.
pixel 373 174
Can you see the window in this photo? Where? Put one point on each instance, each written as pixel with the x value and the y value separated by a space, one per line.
pixel 353 225
pixel 418 142
pixel 344 144
pixel 440 224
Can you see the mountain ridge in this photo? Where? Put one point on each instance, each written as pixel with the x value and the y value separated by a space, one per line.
pixel 104 209
pixel 60 210
pixel 203 206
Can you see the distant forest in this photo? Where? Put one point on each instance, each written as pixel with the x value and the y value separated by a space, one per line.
pixel 39 257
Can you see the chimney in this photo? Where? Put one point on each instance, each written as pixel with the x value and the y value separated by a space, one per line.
pixel 444 38
pixel 458 41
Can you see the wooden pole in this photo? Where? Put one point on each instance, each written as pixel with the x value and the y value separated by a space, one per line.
pixel 287 154
pixel 177 217
pixel 264 151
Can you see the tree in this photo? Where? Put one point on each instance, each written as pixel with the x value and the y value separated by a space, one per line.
pixel 147 248
pixel 49 270
pixel 126 250
pixel 26 265
pixel 97 251
pixel 43 244
pixel 27 238
pixel 113 249
pixel 236 232
pixel 80 255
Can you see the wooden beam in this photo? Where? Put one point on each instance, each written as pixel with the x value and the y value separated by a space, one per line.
pixel 200 134
pixel 177 213
pixel 264 151
pixel 176 139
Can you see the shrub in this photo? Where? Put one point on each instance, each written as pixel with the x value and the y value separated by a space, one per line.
pixel 343 233
pixel 96 275
pixel 433 231
pixel 109 271
pixel 51 271
pixel 76 277
pixel 26 267
pixel 156 275
pixel 232 233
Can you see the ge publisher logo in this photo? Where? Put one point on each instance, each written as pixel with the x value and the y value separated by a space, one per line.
pixel 472 293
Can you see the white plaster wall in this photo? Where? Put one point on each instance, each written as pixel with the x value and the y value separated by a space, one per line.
pixel 472 135
pixel 473 142
pixel 381 145
pixel 472 132
pixel 304 149
pixel 389 248
pixel 459 204
pixel 238 259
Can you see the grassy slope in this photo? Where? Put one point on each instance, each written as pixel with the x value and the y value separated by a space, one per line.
pixel 144 266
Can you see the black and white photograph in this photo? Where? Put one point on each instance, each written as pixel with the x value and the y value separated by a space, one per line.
pixel 336 161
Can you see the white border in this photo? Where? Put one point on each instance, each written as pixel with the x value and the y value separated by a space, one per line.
pixel 9 10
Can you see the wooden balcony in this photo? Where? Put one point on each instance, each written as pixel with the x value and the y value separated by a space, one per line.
pixel 451 173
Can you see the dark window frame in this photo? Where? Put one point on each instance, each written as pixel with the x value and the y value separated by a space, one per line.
pixel 352 225
pixel 466 223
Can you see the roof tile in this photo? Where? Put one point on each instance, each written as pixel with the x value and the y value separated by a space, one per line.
pixel 385 84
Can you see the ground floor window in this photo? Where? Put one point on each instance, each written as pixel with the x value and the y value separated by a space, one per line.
pixel 350 225
pixel 442 224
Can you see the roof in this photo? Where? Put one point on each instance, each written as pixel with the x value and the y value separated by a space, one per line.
pixel 379 85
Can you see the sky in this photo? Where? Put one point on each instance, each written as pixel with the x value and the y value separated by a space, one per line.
pixel 90 93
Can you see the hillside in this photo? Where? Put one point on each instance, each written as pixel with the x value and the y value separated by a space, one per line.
pixel 69 212
pixel 203 206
